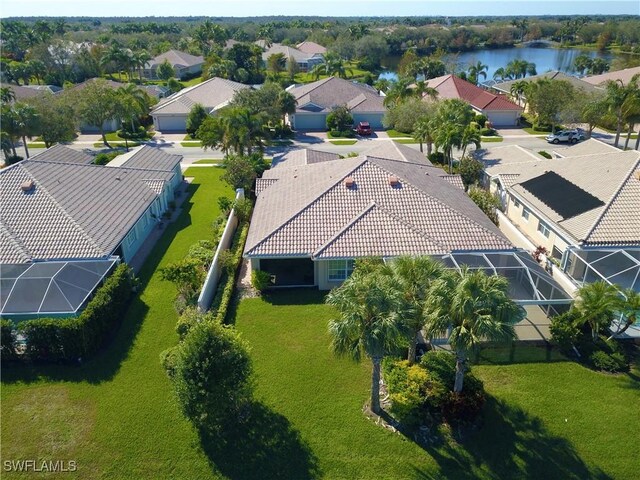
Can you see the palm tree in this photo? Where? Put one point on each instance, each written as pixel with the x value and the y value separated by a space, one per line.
pixel 596 305
pixel 500 74
pixel 6 95
pixel 398 91
pixel 424 131
pixel 113 56
pixel 286 104
pixel 26 122
pixel 370 322
pixel 470 135
pixel 519 91
pixel 472 307
pixel 447 137
pixel 414 276
pixel 140 60
pixel 618 97
pixel 476 71
pixel 422 90
pixel 630 308
pixel 132 102
pixel 333 65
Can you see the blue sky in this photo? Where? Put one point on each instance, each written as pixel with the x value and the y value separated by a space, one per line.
pixel 242 8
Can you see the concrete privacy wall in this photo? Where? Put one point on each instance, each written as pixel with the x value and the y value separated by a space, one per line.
pixel 215 270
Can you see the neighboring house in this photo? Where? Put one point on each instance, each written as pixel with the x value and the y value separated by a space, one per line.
pixel 582 206
pixel 623 76
pixel 314 101
pixel 500 111
pixel 21 92
pixel 305 61
pixel 150 158
pixel 315 214
pixel 578 83
pixel 311 48
pixel 184 64
pixel 64 223
pixel 170 115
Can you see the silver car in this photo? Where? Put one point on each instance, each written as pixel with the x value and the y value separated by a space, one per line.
pixel 570 136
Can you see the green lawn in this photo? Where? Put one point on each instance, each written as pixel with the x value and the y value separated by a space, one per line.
pixel 209 161
pixel 343 142
pixel 117 415
pixel 491 139
pixel 406 141
pixel 537 133
pixel 524 432
pixel 353 73
pixel 396 134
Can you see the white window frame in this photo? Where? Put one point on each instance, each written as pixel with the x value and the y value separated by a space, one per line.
pixel 132 237
pixel 516 203
pixel 526 213
pixel 544 229
pixel 339 270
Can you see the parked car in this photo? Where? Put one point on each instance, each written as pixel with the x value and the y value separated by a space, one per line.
pixel 571 136
pixel 364 128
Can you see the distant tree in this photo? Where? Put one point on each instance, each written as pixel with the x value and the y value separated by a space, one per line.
pixel 371 49
pixel 547 97
pixel 58 122
pixel 286 104
pixel 476 71
pixel 196 116
pixel 292 70
pixel 276 63
pixel 404 116
pixel 98 103
pixel 165 71
pixel 26 123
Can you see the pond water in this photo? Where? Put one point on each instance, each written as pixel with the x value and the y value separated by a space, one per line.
pixel 545 58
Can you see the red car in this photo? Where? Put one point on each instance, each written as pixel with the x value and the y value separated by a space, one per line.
pixel 363 128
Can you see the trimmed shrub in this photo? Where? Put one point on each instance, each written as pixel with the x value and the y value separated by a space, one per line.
pixel 564 331
pixel 260 280
pixel 481 120
pixel 7 341
pixel 437 157
pixel 612 363
pixel 104 158
pixel 488 132
pixel 67 339
pixel 545 154
pixel 225 289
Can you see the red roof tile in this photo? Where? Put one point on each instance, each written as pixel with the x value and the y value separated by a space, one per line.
pixel 450 86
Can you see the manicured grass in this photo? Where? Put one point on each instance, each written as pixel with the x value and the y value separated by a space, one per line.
pixel 353 73
pixel 396 134
pixel 209 161
pixel 491 139
pixel 537 133
pixel 191 144
pixel 192 82
pixel 116 414
pixel 406 141
pixel 524 433
pixel 343 142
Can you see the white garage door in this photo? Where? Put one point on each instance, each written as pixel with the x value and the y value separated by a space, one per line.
pixel 170 124
pixel 504 118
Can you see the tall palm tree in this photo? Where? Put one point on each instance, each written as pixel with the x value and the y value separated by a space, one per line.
pixel 500 74
pixel 618 97
pixel 470 136
pixel 397 92
pixel 596 305
pixel 473 308
pixel 630 308
pixel 414 276
pixel 422 90
pixel 476 71
pixel 132 103
pixel 286 104
pixel 27 123
pixel 519 91
pixel 448 136
pixel 113 56
pixel 424 132
pixel 370 322
pixel 140 60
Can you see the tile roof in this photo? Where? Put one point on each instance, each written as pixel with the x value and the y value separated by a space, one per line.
pixel 175 58
pixel 311 47
pixel 21 92
pixel 213 94
pixel 623 75
pixel 301 156
pixel 61 153
pixel 332 91
pixel 309 211
pixel 73 210
pixel 288 52
pixel 555 75
pixel 150 158
pixel 590 146
pixel 450 86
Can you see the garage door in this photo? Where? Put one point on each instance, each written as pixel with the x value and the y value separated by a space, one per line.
pixel 315 121
pixel 170 124
pixel 503 119
pixel 374 119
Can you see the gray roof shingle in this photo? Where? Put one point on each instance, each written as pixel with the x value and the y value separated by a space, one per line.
pixel 60 153
pixel 150 158
pixel 333 91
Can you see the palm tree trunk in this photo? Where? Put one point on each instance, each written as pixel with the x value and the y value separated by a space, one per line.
pixel 638 141
pixel 618 131
pixel 630 321
pixel 460 358
pixel 26 149
pixel 629 132
pixel 429 147
pixel 375 384
pixel 413 344
pixel 104 137
pixel 421 151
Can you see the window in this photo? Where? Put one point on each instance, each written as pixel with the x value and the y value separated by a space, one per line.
pixel 525 213
pixel 543 228
pixel 516 203
pixel 340 269
pixel 131 238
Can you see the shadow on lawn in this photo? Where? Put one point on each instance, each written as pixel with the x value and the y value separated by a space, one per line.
pixel 510 444
pixel 106 363
pixel 294 296
pixel 265 446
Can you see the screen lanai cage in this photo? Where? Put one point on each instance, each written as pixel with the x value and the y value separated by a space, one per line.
pixel 49 289
pixel 530 286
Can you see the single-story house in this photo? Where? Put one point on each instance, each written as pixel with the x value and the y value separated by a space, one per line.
pixel 306 61
pixel 623 76
pixel 315 214
pixel 184 64
pixel 581 206
pixel 579 83
pixel 65 222
pixel 500 111
pixel 170 115
pixel 314 101
pixel 311 48
pixel 149 158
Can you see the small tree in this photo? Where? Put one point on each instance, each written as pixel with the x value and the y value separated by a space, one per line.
pixel 97 104
pixel 239 172
pixel 165 71
pixel 596 305
pixel 276 63
pixel 58 122
pixel 196 116
pixel 470 170
pixel 340 119
pixel 186 274
pixel 212 375
pixel 488 202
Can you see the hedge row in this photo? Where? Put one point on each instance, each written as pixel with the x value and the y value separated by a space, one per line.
pixel 70 339
pixel 226 286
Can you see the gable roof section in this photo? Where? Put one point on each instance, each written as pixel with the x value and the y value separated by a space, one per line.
pixel 505 87
pixel 176 58
pixel 61 153
pixel 311 48
pixel 450 86
pixel 623 75
pixel 397 151
pixel 299 157
pixel 213 94
pixel 309 206
pixel 150 158
pixel 590 146
pixel 332 91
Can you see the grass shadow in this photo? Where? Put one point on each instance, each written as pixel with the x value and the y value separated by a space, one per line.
pixel 294 296
pixel 265 446
pixel 105 364
pixel 518 353
pixel 510 444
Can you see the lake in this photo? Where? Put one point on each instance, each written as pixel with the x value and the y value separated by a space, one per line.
pixel 545 58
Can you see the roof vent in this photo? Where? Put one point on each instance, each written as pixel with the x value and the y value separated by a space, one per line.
pixel 394 181
pixel 27 186
pixel 349 182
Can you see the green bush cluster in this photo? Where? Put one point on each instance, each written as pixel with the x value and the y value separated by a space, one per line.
pixel 69 339
pixel 422 393
pixel 342 133
pixel 227 282
pixel 488 132
pixel 609 362
pixel 437 158
pixel 260 280
pixel 104 158
pixel 545 154
pixel 7 341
